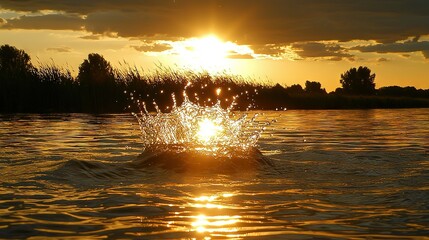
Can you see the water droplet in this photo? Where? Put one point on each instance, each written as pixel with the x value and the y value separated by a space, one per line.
pixel 180 127
pixel 218 91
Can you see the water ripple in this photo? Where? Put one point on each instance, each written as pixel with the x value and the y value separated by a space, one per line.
pixel 357 174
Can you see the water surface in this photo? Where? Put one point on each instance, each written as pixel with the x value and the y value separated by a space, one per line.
pixel 336 174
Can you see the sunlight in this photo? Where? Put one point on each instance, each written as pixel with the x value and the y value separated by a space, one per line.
pixel 210 49
pixel 208 130
pixel 205 223
pixel 208 53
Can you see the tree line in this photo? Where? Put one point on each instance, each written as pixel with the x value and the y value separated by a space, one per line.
pixel 100 88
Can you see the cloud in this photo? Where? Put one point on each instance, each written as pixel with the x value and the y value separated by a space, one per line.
pixel 59 49
pixel 333 52
pixel 50 21
pixel 92 37
pixel 152 47
pixel 2 21
pixel 274 50
pixel 397 47
pixel 251 22
pixel 383 60
pixel 240 56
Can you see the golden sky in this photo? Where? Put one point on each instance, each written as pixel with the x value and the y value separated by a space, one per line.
pixel 283 41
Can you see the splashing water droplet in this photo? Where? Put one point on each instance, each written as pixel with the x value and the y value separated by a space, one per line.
pixel 207 129
pixel 218 91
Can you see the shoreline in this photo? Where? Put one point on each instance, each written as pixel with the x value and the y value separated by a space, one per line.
pixel 322 102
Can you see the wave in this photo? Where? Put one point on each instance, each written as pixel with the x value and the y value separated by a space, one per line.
pixel 174 158
pixel 151 162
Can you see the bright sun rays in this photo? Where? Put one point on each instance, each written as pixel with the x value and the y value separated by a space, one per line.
pixel 208 53
pixel 209 49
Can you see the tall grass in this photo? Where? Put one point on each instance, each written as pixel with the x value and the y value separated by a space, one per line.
pixel 50 88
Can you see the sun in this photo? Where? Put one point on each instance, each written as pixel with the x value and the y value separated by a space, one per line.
pixel 209 47
pixel 208 53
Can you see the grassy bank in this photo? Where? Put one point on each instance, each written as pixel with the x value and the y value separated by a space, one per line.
pixel 100 88
pixel 52 89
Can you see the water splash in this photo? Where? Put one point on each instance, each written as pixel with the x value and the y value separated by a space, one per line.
pixel 210 130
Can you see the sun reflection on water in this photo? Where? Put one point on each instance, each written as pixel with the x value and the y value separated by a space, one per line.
pixel 206 221
pixel 212 224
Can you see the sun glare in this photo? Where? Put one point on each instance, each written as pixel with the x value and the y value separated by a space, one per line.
pixel 207 130
pixel 218 224
pixel 209 48
pixel 208 53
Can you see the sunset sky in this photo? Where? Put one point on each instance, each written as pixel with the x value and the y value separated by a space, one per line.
pixel 284 41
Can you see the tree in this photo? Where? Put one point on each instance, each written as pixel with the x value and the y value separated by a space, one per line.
pixel 98 86
pixel 358 81
pixel 314 88
pixel 95 71
pixel 18 86
pixel 295 89
pixel 14 61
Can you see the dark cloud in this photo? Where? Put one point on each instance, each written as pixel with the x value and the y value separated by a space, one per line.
pixel 59 49
pixel 333 52
pixel 253 22
pixel 51 21
pixel 383 60
pixel 269 49
pixel 335 59
pixel 73 6
pixel 152 47
pixel 99 36
pixel 401 47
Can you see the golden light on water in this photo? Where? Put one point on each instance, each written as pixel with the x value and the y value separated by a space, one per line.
pixel 211 224
pixel 208 130
pixel 204 223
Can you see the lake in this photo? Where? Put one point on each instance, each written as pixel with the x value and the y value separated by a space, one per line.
pixel 335 175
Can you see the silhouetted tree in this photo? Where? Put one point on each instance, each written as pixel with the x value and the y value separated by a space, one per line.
pixel 314 88
pixel 98 85
pixel 13 60
pixel 396 91
pixel 270 97
pixel 17 83
pixel 358 81
pixel 295 89
pixel 338 91
pixel 95 71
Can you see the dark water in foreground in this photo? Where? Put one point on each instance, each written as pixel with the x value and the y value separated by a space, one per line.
pixel 337 174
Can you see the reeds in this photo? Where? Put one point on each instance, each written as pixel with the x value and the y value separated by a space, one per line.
pixel 50 88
